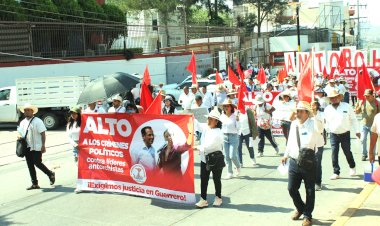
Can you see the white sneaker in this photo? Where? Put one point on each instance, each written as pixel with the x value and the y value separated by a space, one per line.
pixel 228 176
pixel 352 171
pixel 77 191
pixel 238 171
pixel 334 177
pixel 254 162
pixel 218 201
pixel 261 154
pixel 202 203
pixel 277 151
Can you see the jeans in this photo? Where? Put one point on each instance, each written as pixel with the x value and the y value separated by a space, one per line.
pixel 75 151
pixel 364 135
pixel 250 149
pixel 346 97
pixel 345 142
pixel 318 172
pixel 230 147
pixel 34 158
pixel 205 176
pixel 296 175
pixel 268 134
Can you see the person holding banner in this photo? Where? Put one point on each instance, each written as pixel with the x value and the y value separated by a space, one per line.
pixel 263 112
pixel 169 155
pixel 117 106
pixel 73 130
pixel 211 145
pixel 230 128
pixel 340 118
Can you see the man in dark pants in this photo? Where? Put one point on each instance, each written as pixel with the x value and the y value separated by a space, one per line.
pixel 340 118
pixel 307 130
pixel 34 130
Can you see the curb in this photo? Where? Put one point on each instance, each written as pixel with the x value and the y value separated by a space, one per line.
pixel 355 205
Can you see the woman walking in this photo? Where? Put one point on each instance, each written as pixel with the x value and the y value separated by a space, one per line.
pixel 230 129
pixel 287 113
pixel 73 130
pixel 210 149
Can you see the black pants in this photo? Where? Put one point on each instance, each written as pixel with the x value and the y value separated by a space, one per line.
pixel 318 168
pixel 345 142
pixel 240 147
pixel 205 176
pixel 34 158
pixel 296 175
pixel 268 134
pixel 285 125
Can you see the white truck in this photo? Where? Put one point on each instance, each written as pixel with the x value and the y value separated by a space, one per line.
pixel 52 95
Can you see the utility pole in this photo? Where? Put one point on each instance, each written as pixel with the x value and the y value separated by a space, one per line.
pixel 358 45
pixel 344 33
pixel 298 28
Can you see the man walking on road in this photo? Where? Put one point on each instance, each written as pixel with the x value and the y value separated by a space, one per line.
pixel 303 135
pixel 369 108
pixel 340 118
pixel 35 129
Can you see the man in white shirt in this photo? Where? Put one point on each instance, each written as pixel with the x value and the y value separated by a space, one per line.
pixel 330 86
pixel 94 108
pixel 148 156
pixel 208 98
pixel 117 106
pixel 34 130
pixel 307 129
pixel 182 99
pixel 340 118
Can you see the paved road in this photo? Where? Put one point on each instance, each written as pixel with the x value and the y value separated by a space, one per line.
pixel 258 197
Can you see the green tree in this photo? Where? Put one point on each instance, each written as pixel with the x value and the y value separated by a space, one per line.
pixel 11 11
pixel 215 8
pixel 92 11
pixel 247 22
pixel 114 13
pixel 37 10
pixel 67 8
pixel 265 8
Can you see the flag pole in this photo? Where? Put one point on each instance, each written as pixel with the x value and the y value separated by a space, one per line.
pixel 312 72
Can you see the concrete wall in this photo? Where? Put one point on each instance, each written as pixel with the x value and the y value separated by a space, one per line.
pixel 157 68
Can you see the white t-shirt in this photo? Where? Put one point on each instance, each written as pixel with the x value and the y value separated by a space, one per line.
pixel 376 127
pixel 33 138
pixel 97 109
pixel 120 109
pixel 285 110
pixel 260 111
pixel 229 124
pixel 73 134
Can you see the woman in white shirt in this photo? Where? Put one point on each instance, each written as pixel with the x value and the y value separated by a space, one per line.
pixel 287 113
pixel 73 129
pixel 211 142
pixel 230 129
pixel 318 115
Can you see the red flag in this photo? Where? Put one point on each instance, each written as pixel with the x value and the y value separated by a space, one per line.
pixel 285 72
pixel 218 79
pixel 281 75
pixel 305 85
pixel 240 103
pixel 325 75
pixel 261 77
pixel 238 69
pixel 192 67
pixel 146 77
pixel 342 62
pixel 364 82
pixel 243 86
pixel 146 98
pixel 232 77
pixel 332 72
pixel 155 106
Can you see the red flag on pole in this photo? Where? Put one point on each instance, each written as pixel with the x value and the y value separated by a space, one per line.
pixel 192 67
pixel 240 104
pixel 155 106
pixel 342 62
pixel 324 72
pixel 232 77
pixel 305 85
pixel 261 77
pixel 218 79
pixel 146 98
pixel 364 82
pixel 238 69
pixel 146 77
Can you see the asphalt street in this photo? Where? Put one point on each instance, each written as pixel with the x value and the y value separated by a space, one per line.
pixel 258 197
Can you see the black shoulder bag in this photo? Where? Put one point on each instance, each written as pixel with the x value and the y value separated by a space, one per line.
pixel 215 160
pixel 306 157
pixel 21 145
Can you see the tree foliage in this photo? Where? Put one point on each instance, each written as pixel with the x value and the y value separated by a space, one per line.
pixel 37 10
pixel 114 13
pixel 12 11
pixel 92 11
pixel 247 22
pixel 70 10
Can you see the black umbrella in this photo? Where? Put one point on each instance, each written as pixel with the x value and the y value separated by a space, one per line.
pixel 107 86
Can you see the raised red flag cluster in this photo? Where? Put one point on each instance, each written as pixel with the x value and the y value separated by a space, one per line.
pixel 192 67
pixel 261 77
pixel 146 98
pixel 305 85
pixel 364 82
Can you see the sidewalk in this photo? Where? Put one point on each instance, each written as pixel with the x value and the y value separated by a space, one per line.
pixel 364 209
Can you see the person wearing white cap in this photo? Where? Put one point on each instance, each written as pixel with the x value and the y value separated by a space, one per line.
pixel 94 108
pixel 340 119
pixel 117 106
pixel 302 138
pixel 169 107
pixel 210 148
pixel 263 112
pixel 286 112
pixel 33 129
pixel 330 86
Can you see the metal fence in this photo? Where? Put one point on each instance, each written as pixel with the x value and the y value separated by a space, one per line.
pixel 23 41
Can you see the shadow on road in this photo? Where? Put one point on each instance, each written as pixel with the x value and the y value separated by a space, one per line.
pixel 59 188
pixel 322 222
pixel 366 212
pixel 349 190
pixel 4 221
pixel 260 208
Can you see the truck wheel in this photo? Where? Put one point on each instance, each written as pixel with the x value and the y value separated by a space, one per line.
pixel 50 120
